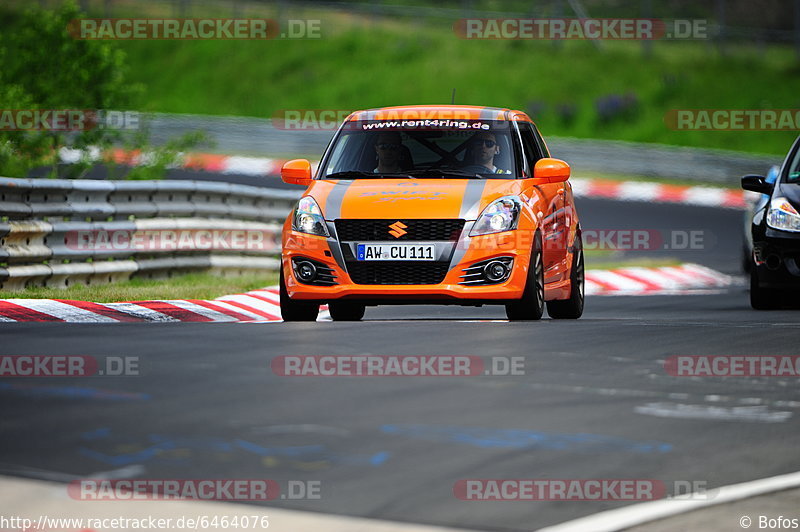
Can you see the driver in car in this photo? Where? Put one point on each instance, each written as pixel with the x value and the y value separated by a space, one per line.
pixel 388 148
pixel 483 149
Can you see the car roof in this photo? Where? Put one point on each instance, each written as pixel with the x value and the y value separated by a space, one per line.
pixel 457 112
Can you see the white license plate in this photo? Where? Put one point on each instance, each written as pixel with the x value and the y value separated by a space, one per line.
pixel 396 252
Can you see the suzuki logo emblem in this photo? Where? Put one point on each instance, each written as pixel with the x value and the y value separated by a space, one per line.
pixel 398 229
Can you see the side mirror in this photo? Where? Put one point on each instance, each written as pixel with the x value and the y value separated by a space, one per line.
pixel 297 172
pixel 550 170
pixel 756 183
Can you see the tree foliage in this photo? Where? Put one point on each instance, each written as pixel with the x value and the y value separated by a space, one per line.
pixel 42 66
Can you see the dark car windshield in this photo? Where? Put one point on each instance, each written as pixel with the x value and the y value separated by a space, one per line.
pixel 423 148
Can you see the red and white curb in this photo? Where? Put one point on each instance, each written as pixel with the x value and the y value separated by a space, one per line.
pixel 581 187
pixel 659 193
pixel 208 162
pixel 667 280
pixel 256 306
pixel 263 306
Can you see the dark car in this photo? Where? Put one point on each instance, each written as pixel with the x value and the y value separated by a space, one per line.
pixel 775 230
pixel 753 205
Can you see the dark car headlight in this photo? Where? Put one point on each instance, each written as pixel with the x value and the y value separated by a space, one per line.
pixel 783 216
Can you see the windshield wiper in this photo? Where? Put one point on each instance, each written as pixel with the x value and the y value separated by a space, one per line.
pixel 439 172
pixel 356 174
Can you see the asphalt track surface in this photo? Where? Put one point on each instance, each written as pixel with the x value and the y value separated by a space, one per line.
pixel 207 405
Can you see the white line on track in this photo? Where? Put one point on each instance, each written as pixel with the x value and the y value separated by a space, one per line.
pixel 752 414
pixel 637 514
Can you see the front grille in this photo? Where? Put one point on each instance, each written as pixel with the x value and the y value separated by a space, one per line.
pixel 416 230
pixel 397 272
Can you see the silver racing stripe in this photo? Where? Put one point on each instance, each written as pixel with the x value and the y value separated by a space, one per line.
pixel 461 246
pixel 333 205
pixel 333 244
pixel 469 211
pixel 472 199
pixel 333 210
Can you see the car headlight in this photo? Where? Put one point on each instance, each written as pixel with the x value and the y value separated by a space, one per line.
pixel 782 215
pixel 500 215
pixel 308 218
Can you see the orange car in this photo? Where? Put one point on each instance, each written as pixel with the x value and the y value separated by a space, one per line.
pixel 433 205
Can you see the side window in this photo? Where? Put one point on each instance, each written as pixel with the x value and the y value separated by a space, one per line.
pixel 540 141
pixel 338 160
pixel 529 144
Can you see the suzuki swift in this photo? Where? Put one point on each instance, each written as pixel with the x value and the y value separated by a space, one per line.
pixel 433 205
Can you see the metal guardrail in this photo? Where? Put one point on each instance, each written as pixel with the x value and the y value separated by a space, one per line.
pixel 43 199
pixel 61 232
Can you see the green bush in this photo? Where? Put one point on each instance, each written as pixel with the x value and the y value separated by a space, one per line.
pixel 52 70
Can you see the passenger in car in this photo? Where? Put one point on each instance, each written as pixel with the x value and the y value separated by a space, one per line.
pixel 483 148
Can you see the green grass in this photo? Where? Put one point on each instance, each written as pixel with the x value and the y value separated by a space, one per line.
pixel 363 66
pixel 363 61
pixel 189 286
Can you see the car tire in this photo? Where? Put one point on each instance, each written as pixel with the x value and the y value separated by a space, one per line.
pixel 762 298
pixel 747 258
pixel 346 310
pixel 530 306
pixel 572 308
pixel 292 310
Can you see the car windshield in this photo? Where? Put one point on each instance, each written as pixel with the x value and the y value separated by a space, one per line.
pixel 466 149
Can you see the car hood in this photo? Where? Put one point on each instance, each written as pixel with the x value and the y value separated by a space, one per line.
pixel 409 198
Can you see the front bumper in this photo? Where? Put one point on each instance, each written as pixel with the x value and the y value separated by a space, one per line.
pixel 453 257
pixel 777 259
